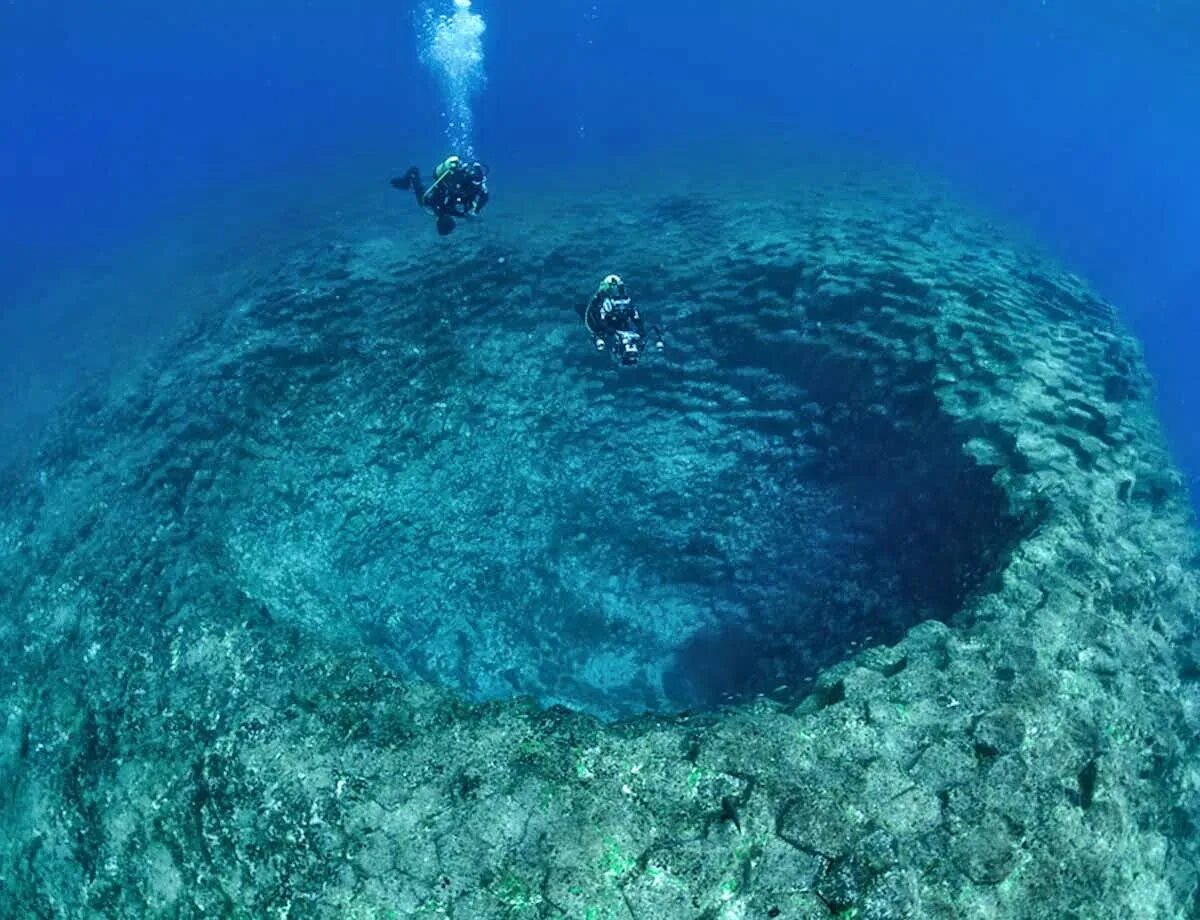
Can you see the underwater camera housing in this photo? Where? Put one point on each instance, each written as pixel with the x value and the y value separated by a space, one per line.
pixel 627 347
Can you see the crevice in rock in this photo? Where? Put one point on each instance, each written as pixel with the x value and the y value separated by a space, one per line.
pixel 1087 783
pixel 925 526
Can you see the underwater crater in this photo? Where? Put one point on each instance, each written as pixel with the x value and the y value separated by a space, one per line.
pixel 465 488
pixel 252 593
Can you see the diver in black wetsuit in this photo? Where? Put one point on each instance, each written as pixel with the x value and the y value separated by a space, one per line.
pixel 458 190
pixel 615 323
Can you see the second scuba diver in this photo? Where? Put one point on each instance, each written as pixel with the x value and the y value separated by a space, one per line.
pixel 615 323
pixel 458 190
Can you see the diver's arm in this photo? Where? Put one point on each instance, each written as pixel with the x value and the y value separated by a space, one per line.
pixel 480 200
pixel 598 334
pixel 587 316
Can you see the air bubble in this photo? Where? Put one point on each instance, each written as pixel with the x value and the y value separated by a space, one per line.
pixel 452 46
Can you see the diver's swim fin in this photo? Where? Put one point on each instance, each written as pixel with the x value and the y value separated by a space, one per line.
pixel 445 224
pixel 405 182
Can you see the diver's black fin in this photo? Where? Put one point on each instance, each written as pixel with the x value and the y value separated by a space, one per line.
pixel 405 182
pixel 445 224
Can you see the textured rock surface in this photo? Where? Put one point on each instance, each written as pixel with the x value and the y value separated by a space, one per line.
pixel 895 491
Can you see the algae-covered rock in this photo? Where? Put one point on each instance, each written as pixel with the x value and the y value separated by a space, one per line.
pixel 379 594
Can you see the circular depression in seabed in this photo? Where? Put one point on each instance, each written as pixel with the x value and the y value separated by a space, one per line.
pixel 722 523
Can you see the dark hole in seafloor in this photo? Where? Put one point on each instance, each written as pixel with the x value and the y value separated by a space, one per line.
pixel 939 530
pixel 930 529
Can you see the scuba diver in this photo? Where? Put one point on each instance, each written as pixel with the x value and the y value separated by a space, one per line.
pixel 458 190
pixel 615 323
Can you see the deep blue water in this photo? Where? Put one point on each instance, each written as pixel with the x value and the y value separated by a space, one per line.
pixel 1076 118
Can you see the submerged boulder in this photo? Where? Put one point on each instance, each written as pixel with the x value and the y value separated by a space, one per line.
pixel 379 593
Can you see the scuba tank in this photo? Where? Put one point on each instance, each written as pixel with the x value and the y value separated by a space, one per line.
pixel 451 162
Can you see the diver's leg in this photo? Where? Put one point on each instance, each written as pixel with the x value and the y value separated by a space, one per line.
pixel 405 182
pixel 445 224
pixel 411 180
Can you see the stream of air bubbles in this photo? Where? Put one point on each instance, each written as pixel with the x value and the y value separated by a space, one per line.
pixel 452 46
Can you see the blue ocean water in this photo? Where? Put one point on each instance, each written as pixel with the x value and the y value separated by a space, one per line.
pixel 1075 119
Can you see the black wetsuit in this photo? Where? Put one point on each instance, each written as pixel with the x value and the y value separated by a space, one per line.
pixel 608 313
pixel 460 192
